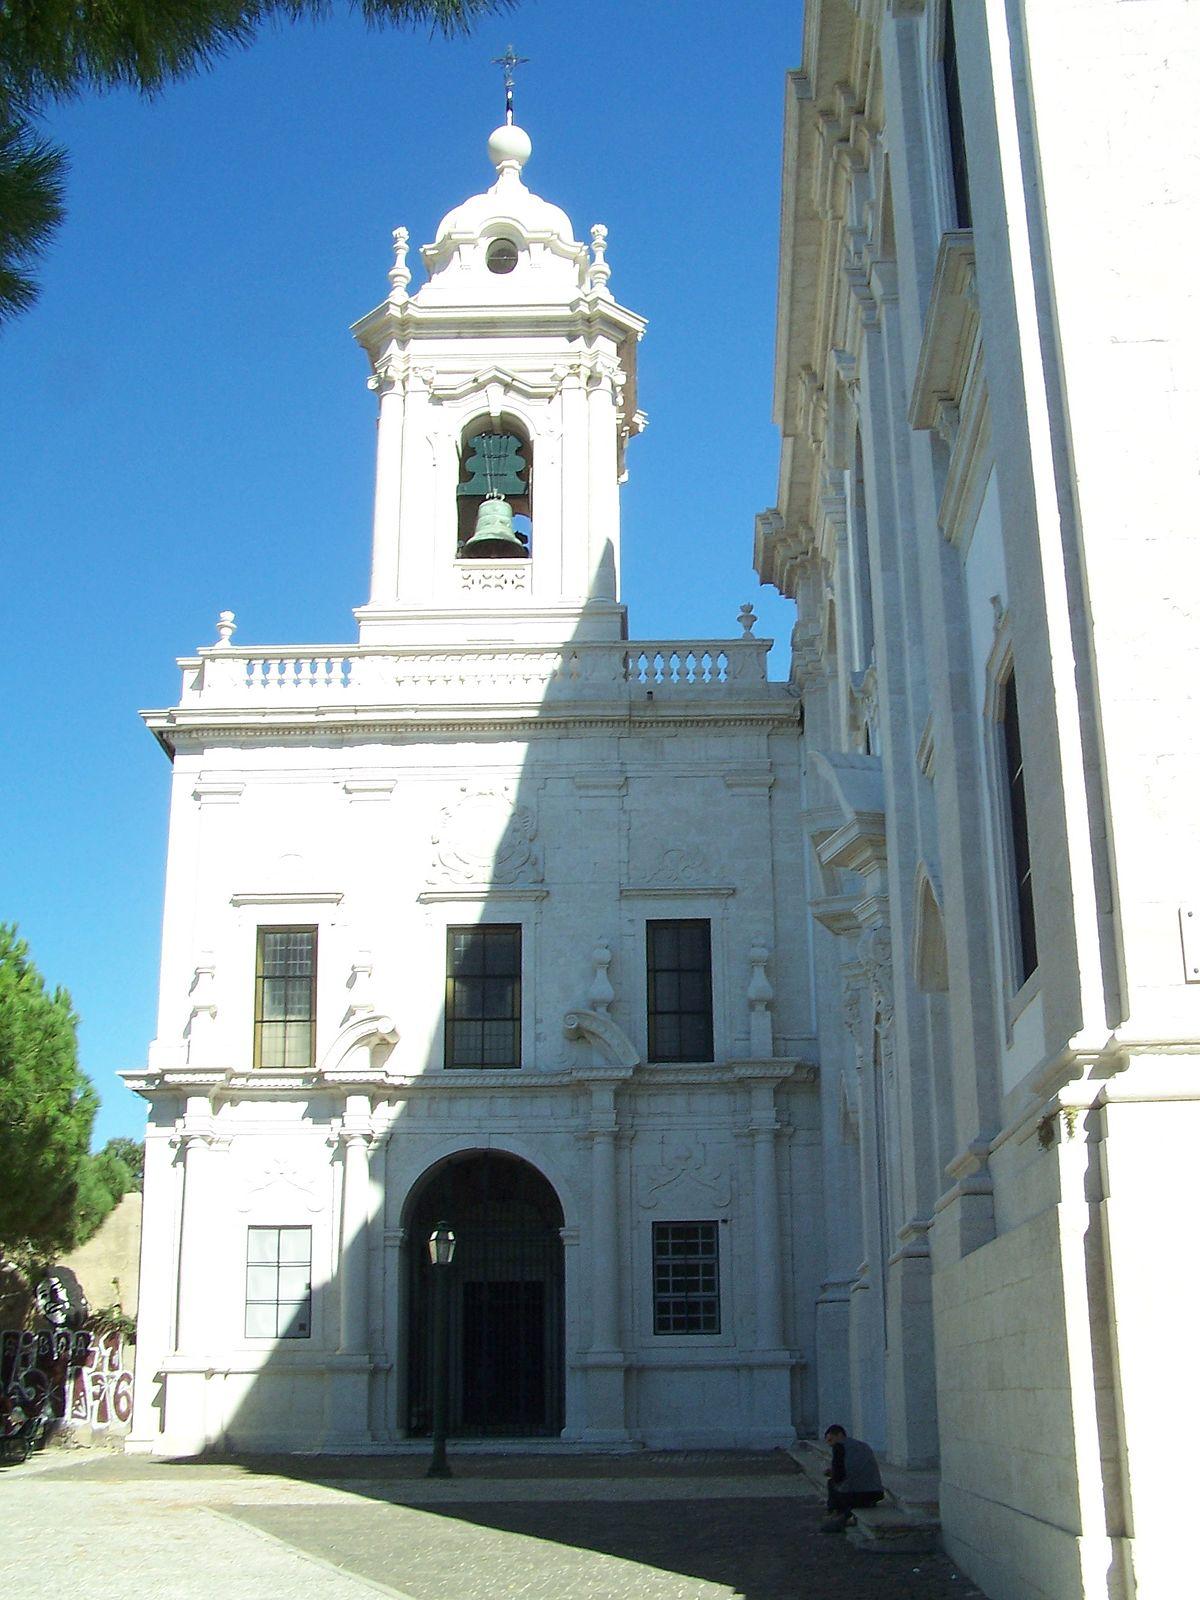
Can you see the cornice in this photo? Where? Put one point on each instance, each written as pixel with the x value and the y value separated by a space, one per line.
pixel 402 323
pixel 183 729
pixel 265 1083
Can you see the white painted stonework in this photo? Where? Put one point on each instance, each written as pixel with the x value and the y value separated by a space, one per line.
pixel 493 750
pixel 990 422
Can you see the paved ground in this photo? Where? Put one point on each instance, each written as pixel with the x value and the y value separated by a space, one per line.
pixel 648 1527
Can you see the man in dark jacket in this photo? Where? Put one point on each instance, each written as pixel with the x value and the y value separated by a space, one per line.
pixel 853 1475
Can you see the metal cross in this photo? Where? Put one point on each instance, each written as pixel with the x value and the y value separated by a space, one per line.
pixel 509 61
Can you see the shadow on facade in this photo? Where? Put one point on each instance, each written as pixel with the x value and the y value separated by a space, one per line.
pixel 526 795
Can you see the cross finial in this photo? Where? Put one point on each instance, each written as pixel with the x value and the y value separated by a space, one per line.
pixel 509 61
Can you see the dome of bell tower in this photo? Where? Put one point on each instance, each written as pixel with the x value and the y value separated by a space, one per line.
pixel 539 233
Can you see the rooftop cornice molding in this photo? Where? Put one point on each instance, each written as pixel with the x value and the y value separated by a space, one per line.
pixel 182 731
pixel 782 548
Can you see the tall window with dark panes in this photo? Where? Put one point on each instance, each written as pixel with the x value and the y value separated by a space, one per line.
pixel 285 992
pixel 679 1023
pixel 1018 824
pixel 483 996
pixel 687 1289
pixel 954 121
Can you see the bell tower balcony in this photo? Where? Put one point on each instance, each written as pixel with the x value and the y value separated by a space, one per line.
pixel 339 687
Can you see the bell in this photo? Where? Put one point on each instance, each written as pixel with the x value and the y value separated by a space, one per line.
pixel 494 535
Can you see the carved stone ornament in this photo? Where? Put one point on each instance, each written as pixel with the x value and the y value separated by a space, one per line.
pixel 684 1166
pixel 601 994
pixel 278 1172
pixel 875 954
pixel 671 869
pixel 857 1011
pixel 485 837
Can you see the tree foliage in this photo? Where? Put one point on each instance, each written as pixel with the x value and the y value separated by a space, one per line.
pixel 51 49
pixel 47 1107
pixel 103 1180
pixel 133 1155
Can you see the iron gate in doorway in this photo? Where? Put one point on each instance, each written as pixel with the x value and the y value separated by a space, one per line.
pixel 505 1294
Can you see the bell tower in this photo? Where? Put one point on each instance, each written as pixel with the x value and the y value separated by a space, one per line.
pixel 507 390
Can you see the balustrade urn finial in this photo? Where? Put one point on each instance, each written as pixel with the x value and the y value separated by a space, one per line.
pixel 400 276
pixel 225 629
pixel 760 996
pixel 601 993
pixel 600 271
pixel 747 618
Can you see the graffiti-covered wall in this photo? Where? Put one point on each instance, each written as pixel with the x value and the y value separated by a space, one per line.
pixel 73 1379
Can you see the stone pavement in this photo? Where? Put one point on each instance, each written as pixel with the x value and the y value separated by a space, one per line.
pixel 678 1526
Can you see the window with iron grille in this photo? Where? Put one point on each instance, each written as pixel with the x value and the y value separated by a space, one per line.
pixel 285 993
pixel 687 1292
pixel 278 1283
pixel 679 1024
pixel 483 996
pixel 1018 826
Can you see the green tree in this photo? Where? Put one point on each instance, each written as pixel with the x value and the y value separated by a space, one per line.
pixel 133 1153
pixel 102 1180
pixel 51 49
pixel 47 1107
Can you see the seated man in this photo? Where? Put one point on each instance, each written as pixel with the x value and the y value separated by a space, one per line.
pixel 853 1478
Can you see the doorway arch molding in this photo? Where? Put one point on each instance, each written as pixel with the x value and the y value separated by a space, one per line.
pixel 437 1153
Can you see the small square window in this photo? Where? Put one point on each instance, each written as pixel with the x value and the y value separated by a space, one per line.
pixel 687 1291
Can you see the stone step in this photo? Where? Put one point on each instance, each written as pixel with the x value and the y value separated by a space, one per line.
pixel 891 1530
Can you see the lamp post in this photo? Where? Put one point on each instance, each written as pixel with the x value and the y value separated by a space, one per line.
pixel 441 1254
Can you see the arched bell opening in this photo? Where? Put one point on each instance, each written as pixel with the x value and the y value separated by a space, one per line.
pixel 505 1328
pixel 495 491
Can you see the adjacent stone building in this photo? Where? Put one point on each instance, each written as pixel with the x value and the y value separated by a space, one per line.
pixel 495 918
pixel 986 384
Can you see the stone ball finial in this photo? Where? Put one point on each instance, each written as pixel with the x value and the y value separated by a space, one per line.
pixel 509 146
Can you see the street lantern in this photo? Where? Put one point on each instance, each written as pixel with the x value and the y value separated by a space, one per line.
pixel 441 1254
pixel 441 1245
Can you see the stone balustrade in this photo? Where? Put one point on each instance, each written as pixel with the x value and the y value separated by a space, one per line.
pixel 346 675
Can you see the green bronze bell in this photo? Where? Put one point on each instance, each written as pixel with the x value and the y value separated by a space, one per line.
pixel 494 535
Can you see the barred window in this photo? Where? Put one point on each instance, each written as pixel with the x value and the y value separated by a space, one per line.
pixel 278 1283
pixel 483 996
pixel 285 992
pixel 687 1297
pixel 679 1023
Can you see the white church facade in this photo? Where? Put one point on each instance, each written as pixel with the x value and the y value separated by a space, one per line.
pixel 494 918
pixel 778 1053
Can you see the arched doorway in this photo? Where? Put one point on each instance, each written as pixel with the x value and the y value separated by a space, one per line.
pixel 505 1298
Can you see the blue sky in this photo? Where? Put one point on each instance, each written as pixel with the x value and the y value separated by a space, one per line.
pixel 186 425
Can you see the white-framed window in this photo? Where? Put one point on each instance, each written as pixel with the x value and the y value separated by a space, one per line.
pixel 285 997
pixel 483 996
pixel 278 1282
pixel 679 999
pixel 687 1277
